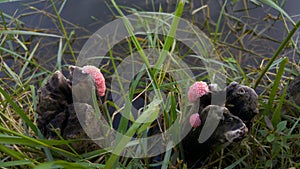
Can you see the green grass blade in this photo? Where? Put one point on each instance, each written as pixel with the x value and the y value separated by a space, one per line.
pixel 63 29
pixel 233 165
pixel 62 6
pixel 280 48
pixel 8 139
pixel 131 34
pixel 60 164
pixel 38 142
pixel 20 32
pixel 19 111
pixel 276 117
pixel 4 1
pixel 124 121
pixel 14 154
pixel 294 126
pixel 219 21
pixel 167 155
pixel 171 34
pixel 3 20
pixel 23 58
pixel 27 61
pixel 12 74
pixel 16 163
pixel 278 8
pixel 59 55
pixel 124 139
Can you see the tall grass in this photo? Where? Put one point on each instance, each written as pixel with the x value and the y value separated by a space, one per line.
pixel 274 138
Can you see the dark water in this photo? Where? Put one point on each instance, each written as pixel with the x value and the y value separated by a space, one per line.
pixel 249 35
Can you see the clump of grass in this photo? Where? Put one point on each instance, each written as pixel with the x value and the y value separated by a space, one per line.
pixel 273 141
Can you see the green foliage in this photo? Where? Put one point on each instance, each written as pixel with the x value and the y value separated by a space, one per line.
pixel 273 140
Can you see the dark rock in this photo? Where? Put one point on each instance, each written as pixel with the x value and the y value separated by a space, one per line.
pixel 242 101
pixel 57 116
pixel 235 112
pixel 53 101
pixel 230 128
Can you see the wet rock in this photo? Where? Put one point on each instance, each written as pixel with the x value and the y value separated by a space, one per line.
pixel 53 101
pixel 234 108
pixel 229 128
pixel 56 109
pixel 242 101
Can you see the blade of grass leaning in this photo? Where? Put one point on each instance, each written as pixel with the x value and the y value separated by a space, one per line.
pixel 38 142
pixel 147 115
pixel 219 21
pixel 60 164
pixel 132 35
pixel 134 84
pixel 23 58
pixel 16 163
pixel 3 20
pixel 272 4
pixel 138 46
pixel 93 154
pixel 19 111
pixel 4 1
pixel 167 45
pixel 59 55
pixel 91 165
pixel 154 109
pixel 8 139
pixel 20 32
pixel 14 154
pixel 167 155
pixel 63 29
pixel 62 6
pixel 61 50
pixel 3 15
pixel 277 52
pixel 20 43
pixel 124 121
pixel 294 126
pixel 236 65
pixel 12 74
pixel 170 37
pixel 67 144
pixel 27 62
pixel 233 165
pixel 2 49
pixel 276 117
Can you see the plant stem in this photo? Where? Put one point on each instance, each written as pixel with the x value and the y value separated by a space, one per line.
pixel 63 29
pixel 280 48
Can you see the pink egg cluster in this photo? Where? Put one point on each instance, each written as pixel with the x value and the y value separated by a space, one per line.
pixel 97 76
pixel 197 90
pixel 195 120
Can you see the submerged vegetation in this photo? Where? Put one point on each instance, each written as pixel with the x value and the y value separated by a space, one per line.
pixel 260 52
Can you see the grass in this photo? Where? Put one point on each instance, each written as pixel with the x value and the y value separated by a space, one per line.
pixel 274 139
